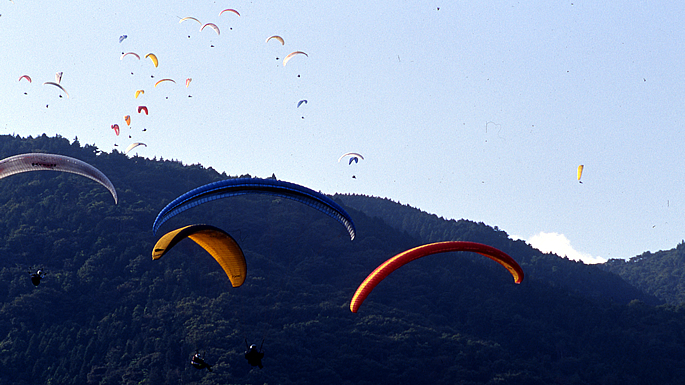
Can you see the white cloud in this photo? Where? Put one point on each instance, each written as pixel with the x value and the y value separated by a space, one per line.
pixel 561 246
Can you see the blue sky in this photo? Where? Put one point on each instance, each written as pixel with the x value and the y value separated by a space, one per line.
pixel 477 110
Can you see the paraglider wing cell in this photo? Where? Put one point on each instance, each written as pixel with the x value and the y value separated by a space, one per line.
pixel 221 246
pixel 405 257
pixel 241 186
pixel 53 162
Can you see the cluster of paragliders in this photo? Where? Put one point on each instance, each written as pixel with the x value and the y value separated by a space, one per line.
pixel 218 243
pixel 56 83
pixel 224 248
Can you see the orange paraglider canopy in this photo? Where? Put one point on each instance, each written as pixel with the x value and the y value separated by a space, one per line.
pixel 405 257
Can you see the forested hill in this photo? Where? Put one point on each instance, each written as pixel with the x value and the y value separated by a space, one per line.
pixel 106 313
pixel 661 274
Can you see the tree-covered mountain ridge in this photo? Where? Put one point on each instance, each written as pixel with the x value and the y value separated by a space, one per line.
pixel 106 313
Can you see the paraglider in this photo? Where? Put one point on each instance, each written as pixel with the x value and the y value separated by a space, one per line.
pixel 58 86
pixel 27 77
pixel 129 53
pixel 133 145
pixel 165 80
pixel 290 56
pixel 353 157
pixel 127 119
pixel 212 26
pixel 36 277
pixel 189 18
pixel 277 38
pixel 253 355
pixel 580 173
pixel 142 108
pixel 122 37
pixel 152 57
pixel 300 103
pixel 198 362
pixel 405 257
pixel 115 127
pixel 221 246
pixel 52 162
pixel 241 186
pixel 229 10
pixel 188 82
pixel 138 92
pixel 58 77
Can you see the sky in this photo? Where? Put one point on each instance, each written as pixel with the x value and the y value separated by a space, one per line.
pixel 480 110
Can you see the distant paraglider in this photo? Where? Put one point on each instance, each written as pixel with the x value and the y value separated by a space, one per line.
pixel 165 80
pixel 138 92
pixel 115 127
pixel 53 162
pixel 58 86
pixel 221 246
pixel 189 18
pixel 36 277
pixel 129 53
pixel 580 173
pixel 122 37
pixel 198 362
pixel 212 26
pixel 133 145
pixel 300 103
pixel 242 186
pixel 353 157
pixel 127 119
pixel 405 257
pixel 58 77
pixel 188 82
pixel 27 77
pixel 142 108
pixel 152 57
pixel 276 37
pixel 290 56
pixel 229 10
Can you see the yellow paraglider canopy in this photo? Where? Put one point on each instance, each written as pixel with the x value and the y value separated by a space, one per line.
pixel 215 241
pixel 580 172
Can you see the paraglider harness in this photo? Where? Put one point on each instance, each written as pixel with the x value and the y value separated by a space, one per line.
pixel 36 277
pixel 199 363
pixel 253 355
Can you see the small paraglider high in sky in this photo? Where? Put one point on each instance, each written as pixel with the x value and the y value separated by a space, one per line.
pixel 122 37
pixel 300 103
pixel 580 173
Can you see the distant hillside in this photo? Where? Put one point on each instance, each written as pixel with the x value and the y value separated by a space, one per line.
pixel 106 313
pixel 661 274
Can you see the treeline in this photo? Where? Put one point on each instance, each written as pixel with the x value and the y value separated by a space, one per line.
pixel 107 314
